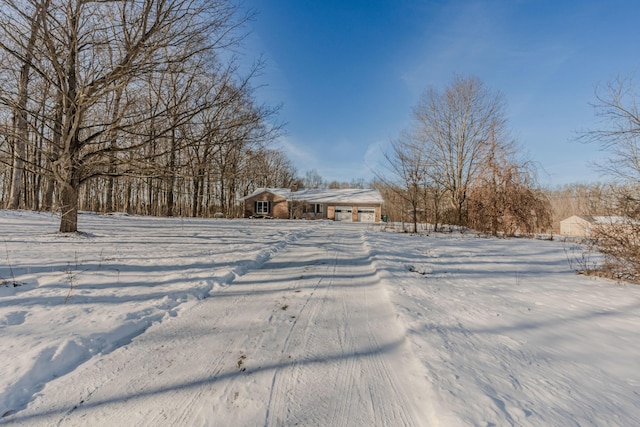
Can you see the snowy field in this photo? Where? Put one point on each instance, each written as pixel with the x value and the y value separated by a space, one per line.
pixel 156 321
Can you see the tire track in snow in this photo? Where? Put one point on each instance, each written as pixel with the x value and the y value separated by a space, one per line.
pixel 356 384
pixel 400 414
pixel 286 381
pixel 243 345
pixel 284 406
pixel 346 375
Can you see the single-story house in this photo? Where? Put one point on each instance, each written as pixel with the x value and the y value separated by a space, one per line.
pixel 586 226
pixel 354 205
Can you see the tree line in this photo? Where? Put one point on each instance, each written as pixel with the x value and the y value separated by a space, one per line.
pixel 137 106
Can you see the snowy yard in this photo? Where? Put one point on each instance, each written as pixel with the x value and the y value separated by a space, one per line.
pixel 156 321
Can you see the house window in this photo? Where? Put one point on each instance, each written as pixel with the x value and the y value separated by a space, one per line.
pixel 262 208
pixel 317 208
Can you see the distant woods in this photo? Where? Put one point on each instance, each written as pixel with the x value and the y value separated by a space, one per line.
pixel 137 106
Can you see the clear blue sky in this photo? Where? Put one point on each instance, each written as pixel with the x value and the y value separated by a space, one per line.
pixel 348 72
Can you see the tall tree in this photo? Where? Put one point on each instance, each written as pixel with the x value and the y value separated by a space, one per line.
pixel 456 125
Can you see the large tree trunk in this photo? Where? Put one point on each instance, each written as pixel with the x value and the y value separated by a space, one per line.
pixel 69 208
pixel 67 164
pixel 68 185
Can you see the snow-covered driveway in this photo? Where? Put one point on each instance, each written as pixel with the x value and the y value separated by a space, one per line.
pixel 308 338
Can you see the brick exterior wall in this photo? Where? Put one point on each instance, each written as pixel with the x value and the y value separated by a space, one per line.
pixel 278 206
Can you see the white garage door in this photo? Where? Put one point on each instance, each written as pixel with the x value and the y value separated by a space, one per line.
pixel 367 214
pixel 344 213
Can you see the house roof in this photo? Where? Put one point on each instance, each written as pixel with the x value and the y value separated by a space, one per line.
pixel 282 192
pixel 349 195
pixel 313 195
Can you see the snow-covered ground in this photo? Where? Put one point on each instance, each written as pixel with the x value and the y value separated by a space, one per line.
pixel 156 321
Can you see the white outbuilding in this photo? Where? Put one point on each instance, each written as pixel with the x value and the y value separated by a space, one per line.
pixel 585 225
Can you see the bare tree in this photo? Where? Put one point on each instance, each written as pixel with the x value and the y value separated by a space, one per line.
pixel 407 164
pixel 619 137
pixel 312 179
pixel 456 126
pixel 619 132
pixel 269 169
